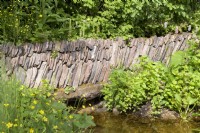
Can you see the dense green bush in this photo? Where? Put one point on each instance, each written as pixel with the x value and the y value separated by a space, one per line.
pixel 42 20
pixel 25 109
pixel 176 87
pixel 182 89
pixel 129 89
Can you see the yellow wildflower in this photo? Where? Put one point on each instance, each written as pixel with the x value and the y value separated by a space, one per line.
pixel 71 117
pixel 9 125
pixel 55 127
pixel 31 130
pixel 6 105
pixel 47 103
pixel 92 108
pixel 48 94
pixel 40 15
pixel 21 88
pixel 32 94
pixel 45 119
pixel 15 125
pixel 83 106
pixel 32 107
pixel 90 105
pixel 35 102
pixel 41 112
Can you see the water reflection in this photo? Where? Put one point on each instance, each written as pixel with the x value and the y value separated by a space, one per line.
pixel 109 123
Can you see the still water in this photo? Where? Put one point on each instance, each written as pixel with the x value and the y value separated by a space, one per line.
pixel 109 123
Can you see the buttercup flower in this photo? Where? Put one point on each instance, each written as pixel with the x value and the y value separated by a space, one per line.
pixel 35 102
pixel 9 125
pixel 31 130
pixel 45 119
pixel 15 125
pixel 6 105
pixel 83 106
pixel 48 94
pixel 32 107
pixel 71 117
pixel 21 88
pixel 32 94
pixel 41 112
pixel 55 127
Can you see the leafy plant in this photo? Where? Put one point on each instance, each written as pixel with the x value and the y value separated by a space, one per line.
pixel 176 87
pixel 68 89
pixel 132 88
pixel 182 88
pixel 54 54
pixel 25 109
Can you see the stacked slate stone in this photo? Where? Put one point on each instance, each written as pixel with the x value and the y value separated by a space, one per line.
pixel 85 61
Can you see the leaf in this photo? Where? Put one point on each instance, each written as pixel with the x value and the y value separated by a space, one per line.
pixel 177 58
pixel 191 100
pixel 56 3
pixel 178 98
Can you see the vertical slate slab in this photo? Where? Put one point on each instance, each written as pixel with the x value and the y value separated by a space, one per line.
pixel 70 74
pixel 88 71
pixel 63 76
pixel 20 74
pixel 139 47
pixel 33 76
pixel 114 54
pixel 28 77
pixel 105 67
pixel 98 71
pixel 77 75
pixel 58 74
pixel 41 72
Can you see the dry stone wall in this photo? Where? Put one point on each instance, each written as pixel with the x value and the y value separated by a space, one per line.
pixel 85 61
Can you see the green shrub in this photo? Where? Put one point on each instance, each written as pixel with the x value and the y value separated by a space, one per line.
pixel 25 109
pixel 182 88
pixel 129 89
pixel 176 87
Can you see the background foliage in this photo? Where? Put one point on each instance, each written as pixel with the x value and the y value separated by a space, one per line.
pixel 42 20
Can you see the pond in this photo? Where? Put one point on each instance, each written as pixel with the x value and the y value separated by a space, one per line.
pixel 109 123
